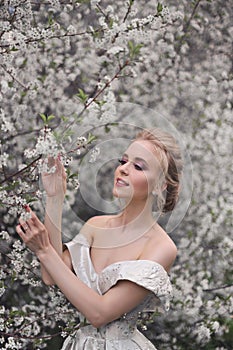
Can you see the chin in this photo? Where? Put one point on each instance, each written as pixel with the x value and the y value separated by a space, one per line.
pixel 116 194
pixel 121 194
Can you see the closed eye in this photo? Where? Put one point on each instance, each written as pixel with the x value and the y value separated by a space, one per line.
pixel 122 161
pixel 136 166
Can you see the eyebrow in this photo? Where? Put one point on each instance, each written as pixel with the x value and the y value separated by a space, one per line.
pixel 137 159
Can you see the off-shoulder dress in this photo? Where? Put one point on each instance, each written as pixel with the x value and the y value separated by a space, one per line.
pixel 121 334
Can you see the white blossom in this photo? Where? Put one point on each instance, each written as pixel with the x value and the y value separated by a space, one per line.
pixel 47 54
pixel 94 154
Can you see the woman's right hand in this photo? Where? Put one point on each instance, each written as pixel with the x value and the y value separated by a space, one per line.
pixel 55 183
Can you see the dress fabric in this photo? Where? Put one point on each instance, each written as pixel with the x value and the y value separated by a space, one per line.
pixel 121 334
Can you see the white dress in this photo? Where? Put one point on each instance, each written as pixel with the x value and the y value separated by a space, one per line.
pixel 121 334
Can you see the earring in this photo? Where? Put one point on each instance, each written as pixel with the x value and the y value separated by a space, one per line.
pixel 153 193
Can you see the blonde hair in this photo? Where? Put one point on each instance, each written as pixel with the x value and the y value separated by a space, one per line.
pixel 171 163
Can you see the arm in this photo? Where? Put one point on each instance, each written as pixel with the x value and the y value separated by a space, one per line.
pixel 52 222
pixel 98 309
pixel 55 187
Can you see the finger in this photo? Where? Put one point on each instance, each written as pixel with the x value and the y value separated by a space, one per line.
pixel 30 224
pixel 24 225
pixel 59 166
pixel 51 162
pixel 20 232
pixel 64 173
pixel 34 219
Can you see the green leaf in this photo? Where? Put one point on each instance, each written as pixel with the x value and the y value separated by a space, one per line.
pixel 71 176
pixel 100 103
pixel 23 93
pixel 91 138
pixel 111 22
pixel 159 8
pixel 82 96
pixel 43 117
pixel 130 45
pixel 64 119
pixel 107 128
pixel 46 119
pixel 50 117
pixel 68 173
pixel 134 50
pixel 50 20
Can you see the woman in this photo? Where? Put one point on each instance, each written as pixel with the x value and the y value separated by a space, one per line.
pixel 117 266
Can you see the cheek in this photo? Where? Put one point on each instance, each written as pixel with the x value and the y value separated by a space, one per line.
pixel 142 183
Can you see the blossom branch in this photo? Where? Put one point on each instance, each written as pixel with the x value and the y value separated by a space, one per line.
pixel 107 84
pixel 17 334
pixel 25 267
pixel 187 25
pixel 40 319
pixel 218 288
pixel 56 36
pixel 21 171
pixel 128 10
pixel 98 93
pixel 26 132
pixel 14 78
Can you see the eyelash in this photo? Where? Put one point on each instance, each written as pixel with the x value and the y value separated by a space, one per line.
pixel 136 166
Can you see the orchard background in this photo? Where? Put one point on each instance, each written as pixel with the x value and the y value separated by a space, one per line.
pixel 65 67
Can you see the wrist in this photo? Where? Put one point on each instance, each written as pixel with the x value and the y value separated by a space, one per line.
pixel 42 254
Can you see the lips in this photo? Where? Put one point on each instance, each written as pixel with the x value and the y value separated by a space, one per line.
pixel 121 182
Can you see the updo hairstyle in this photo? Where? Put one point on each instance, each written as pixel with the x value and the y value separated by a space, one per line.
pixel 167 148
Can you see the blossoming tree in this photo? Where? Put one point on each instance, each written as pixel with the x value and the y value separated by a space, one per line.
pixel 65 67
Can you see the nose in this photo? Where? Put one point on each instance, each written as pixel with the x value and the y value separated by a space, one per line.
pixel 124 168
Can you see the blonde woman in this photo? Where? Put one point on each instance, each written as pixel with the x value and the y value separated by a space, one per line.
pixel 117 266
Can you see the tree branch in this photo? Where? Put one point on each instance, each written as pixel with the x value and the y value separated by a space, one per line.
pixel 21 171
pixel 218 288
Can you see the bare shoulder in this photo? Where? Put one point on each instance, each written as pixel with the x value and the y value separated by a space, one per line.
pixel 98 221
pixel 160 248
pixel 93 225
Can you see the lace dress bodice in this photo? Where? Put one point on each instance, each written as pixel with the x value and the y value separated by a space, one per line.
pixel 121 334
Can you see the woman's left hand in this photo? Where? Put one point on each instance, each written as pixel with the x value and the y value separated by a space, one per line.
pixel 34 234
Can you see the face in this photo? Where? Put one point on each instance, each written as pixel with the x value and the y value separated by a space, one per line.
pixel 136 175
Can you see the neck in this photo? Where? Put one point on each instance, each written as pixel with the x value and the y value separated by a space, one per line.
pixel 136 214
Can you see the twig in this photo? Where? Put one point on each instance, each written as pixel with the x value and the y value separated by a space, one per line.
pixel 128 10
pixel 21 171
pixel 58 36
pixel 187 25
pixel 14 78
pixel 218 288
pixel 102 11
pixel 108 83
